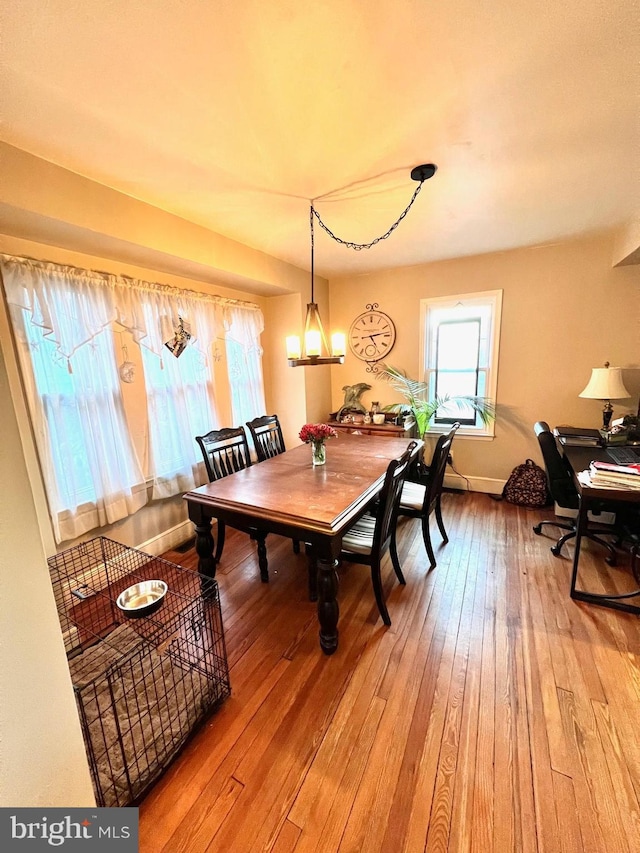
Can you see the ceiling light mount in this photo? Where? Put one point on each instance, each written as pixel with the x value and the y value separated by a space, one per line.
pixel 424 172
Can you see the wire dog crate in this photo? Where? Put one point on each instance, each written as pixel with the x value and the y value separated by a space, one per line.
pixel 141 684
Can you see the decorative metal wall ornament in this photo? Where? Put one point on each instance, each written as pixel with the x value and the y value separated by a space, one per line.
pixel 178 343
pixel 316 350
pixel 126 371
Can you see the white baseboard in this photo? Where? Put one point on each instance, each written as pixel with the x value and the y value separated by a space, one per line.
pixel 168 539
pixel 487 485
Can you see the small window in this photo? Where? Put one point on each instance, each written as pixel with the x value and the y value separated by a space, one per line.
pixel 459 354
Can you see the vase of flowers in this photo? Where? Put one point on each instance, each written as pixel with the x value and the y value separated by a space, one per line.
pixel 316 435
pixel 318 452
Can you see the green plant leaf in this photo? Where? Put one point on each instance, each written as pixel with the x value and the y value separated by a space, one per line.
pixel 416 395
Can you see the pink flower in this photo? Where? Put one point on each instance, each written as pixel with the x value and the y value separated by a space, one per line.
pixel 317 432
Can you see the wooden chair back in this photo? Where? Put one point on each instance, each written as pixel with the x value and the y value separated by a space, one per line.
pixel 224 451
pixel 267 436
pixel 435 476
pixel 390 499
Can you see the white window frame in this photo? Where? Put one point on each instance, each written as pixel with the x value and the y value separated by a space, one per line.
pixel 490 298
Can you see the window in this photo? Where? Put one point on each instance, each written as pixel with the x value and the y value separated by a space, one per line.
pixel 180 403
pixel 244 357
pixel 459 354
pixel 64 320
pixel 91 471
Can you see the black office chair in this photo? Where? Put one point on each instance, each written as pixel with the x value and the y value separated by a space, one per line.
pixel 267 436
pixel 564 493
pixel 369 539
pixel 225 451
pixel 422 493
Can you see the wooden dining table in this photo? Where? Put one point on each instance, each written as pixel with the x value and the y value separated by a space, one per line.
pixel 288 496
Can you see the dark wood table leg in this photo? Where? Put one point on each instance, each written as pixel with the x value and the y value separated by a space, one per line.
pixel 312 570
pixel 259 536
pixel 204 547
pixel 328 610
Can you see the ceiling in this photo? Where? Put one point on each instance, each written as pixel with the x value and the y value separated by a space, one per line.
pixel 233 114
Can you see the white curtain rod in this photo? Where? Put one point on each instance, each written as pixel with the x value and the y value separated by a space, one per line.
pixel 121 280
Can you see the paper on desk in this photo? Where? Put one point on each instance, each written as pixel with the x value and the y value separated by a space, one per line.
pixel 585 480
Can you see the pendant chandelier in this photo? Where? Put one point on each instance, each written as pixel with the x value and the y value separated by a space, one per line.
pixel 316 348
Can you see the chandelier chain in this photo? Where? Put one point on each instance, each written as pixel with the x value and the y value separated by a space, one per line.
pixel 358 246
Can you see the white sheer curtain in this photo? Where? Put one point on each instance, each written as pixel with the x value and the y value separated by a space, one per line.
pixel 64 319
pixel 63 327
pixel 244 355
pixel 180 394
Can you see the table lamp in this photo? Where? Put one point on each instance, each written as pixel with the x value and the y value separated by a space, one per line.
pixel 605 384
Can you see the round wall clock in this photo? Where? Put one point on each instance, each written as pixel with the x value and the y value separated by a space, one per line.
pixel 372 334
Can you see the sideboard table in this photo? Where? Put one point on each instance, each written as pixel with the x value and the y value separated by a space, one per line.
pixel 387 430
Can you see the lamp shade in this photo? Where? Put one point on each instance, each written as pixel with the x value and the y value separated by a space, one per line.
pixel 605 384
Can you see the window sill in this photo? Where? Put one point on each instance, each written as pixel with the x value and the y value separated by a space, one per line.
pixel 462 433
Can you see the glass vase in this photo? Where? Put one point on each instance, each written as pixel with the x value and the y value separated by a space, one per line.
pixel 318 452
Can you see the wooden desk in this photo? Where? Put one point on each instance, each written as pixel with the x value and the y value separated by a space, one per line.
pixel 579 459
pixel 288 496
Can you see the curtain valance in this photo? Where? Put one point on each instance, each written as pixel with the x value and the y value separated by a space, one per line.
pixel 35 287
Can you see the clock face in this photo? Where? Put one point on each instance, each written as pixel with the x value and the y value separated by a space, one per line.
pixel 372 335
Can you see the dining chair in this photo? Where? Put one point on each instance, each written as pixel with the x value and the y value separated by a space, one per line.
pixel 370 537
pixel 267 436
pixel 422 493
pixel 226 451
pixel 565 494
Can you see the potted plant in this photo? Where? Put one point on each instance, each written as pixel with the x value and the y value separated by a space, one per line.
pixel 416 399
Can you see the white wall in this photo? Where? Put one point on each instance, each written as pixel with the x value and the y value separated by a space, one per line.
pixel 565 310
pixel 43 760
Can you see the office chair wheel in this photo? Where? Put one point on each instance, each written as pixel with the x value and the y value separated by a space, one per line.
pixel 537 528
pixel 556 550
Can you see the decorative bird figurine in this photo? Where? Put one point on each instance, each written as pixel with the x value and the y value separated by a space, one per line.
pixel 352 394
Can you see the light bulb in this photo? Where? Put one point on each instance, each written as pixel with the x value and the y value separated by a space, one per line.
pixel 312 343
pixel 337 343
pixel 293 346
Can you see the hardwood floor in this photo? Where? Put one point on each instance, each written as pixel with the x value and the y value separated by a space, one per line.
pixel 495 714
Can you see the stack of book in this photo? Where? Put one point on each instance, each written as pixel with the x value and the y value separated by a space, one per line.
pixel 611 476
pixel 578 436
